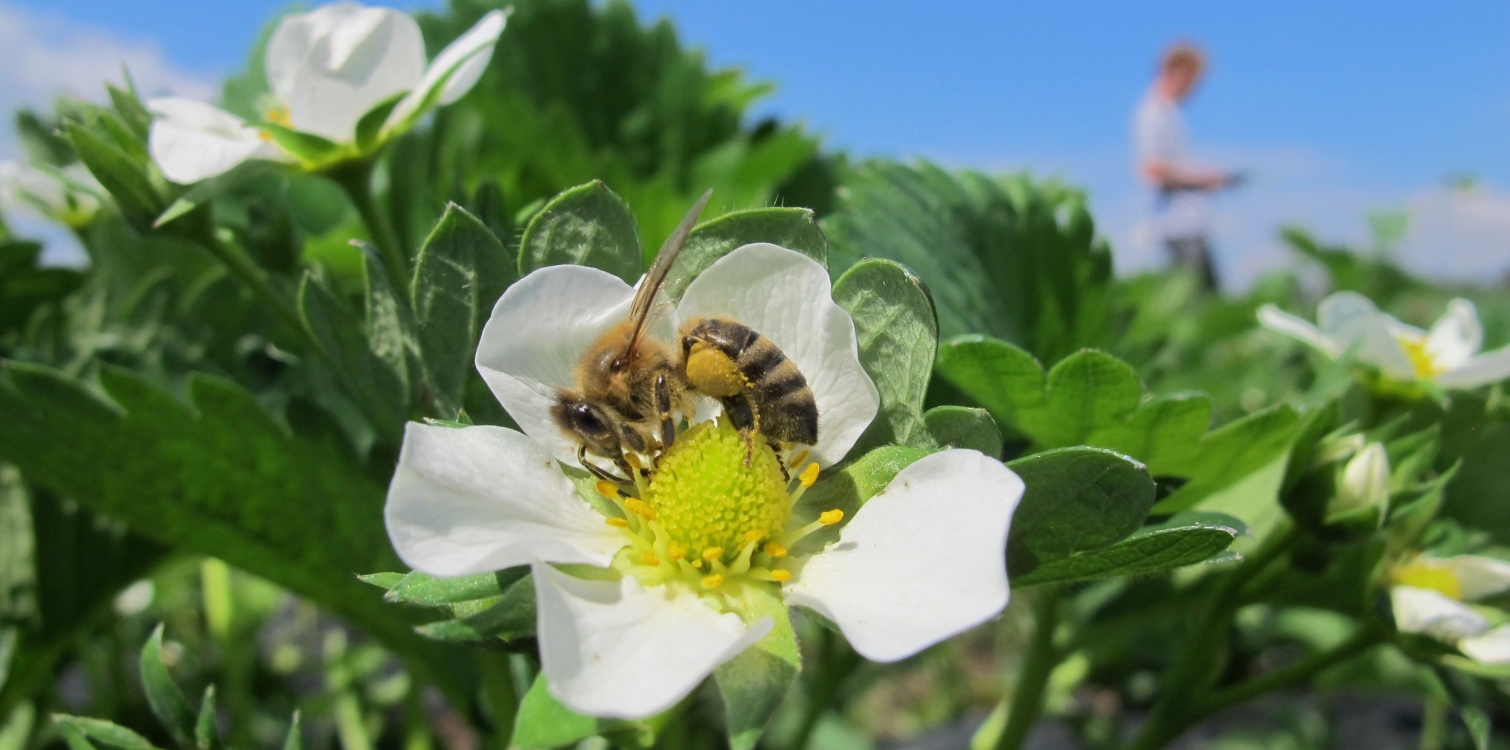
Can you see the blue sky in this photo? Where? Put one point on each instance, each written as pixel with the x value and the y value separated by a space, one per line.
pixel 1334 108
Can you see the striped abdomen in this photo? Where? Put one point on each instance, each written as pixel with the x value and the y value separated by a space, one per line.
pixel 775 397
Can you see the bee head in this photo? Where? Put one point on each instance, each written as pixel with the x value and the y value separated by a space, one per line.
pixel 587 423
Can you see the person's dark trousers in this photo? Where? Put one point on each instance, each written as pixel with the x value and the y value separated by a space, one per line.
pixel 1194 253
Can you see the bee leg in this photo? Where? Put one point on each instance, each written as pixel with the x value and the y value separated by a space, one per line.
pixel 597 471
pixel 663 409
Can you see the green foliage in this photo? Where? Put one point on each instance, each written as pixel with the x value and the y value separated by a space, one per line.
pixel 544 723
pixel 1077 499
pixel 1173 544
pixel 754 683
pixel 585 226
pixel 1004 257
pixel 791 228
pixel 898 336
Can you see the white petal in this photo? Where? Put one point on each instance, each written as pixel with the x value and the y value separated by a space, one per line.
pixel 1356 324
pixel 331 65
pixel 1490 649
pixel 459 65
pixel 1432 613
pixel 1456 336
pixel 538 331
pixel 1278 320
pixel 474 499
pixel 1478 577
pixel 620 650
pixel 920 562
pixel 193 141
pixel 1486 368
pixel 786 296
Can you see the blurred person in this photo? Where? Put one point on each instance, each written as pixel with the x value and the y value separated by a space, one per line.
pixel 1160 151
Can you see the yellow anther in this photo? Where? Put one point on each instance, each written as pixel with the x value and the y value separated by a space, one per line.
pixel 831 517
pixel 713 581
pixel 264 135
pixel 754 535
pixel 774 549
pixel 618 522
pixel 713 553
pixel 798 459
pixel 677 551
pixel 640 508
pixel 607 489
pixel 697 564
pixel 649 558
pixel 781 575
pixel 280 116
pixel 809 475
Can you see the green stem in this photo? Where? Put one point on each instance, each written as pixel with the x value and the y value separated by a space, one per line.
pixel 1192 670
pixel 501 697
pixel 250 274
pixel 1365 638
pixel 1028 694
pixel 834 668
pixel 356 180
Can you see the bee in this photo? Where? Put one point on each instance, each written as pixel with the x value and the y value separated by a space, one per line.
pixel 627 384
pixel 762 391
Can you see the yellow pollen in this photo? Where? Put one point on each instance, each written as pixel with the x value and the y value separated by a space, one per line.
pixel 697 564
pixel 264 135
pixel 831 517
pixel 713 553
pixel 781 575
pixel 809 475
pixel 677 551
pixel 707 497
pixel 754 535
pixel 774 549
pixel 280 116
pixel 1420 359
pixel 616 521
pixel 607 489
pixel 713 581
pixel 650 559
pixel 798 459
pixel 1424 575
pixel 640 508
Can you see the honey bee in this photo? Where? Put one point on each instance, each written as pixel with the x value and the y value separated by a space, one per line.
pixel 627 384
pixel 762 391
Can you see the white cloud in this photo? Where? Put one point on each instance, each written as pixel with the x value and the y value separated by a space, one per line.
pixel 1458 234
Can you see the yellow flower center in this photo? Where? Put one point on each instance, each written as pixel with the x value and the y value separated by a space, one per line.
pixel 1420 360
pixel 713 512
pixel 279 115
pixel 1424 575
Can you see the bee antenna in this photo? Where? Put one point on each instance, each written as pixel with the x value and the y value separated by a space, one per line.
pixel 644 297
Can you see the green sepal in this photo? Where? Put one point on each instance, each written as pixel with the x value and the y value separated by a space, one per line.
pixel 206 736
pixel 588 225
pixel 898 337
pixel 509 617
pixel 419 589
pixel 368 379
pixel 308 148
pixel 163 696
pixel 392 333
pixel 847 489
pixel 461 271
pixel 292 740
pixel 964 427
pixel 104 732
pixel 370 127
pixel 1075 500
pixel 791 228
pixel 754 683
pixel 204 191
pixel 124 177
pixel 542 722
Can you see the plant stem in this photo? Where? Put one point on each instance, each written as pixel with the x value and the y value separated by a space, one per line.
pixel 1192 670
pixel 834 668
pixel 1363 639
pixel 1028 694
pixel 243 268
pixel 356 179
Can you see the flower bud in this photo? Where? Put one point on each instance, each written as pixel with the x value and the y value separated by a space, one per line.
pixel 1364 486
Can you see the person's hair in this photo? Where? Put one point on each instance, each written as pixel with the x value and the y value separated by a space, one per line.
pixel 1183 55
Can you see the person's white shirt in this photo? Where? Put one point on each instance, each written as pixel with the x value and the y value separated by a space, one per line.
pixel 1159 135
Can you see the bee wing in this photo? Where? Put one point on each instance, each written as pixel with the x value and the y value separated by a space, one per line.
pixel 645 296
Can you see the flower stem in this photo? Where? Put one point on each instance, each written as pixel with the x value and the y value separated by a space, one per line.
pixel 244 269
pixel 1192 671
pixel 835 666
pixel 1028 694
pixel 356 179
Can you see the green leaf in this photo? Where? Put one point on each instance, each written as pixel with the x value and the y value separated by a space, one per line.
pixel 512 617
pixel 167 701
pixel 104 732
pixel 754 683
pixel 392 333
pixel 898 337
pixel 542 722
pixel 15 728
pixel 848 488
pixel 587 226
pixel 1003 378
pixel 1231 452
pixel 205 190
pixel 222 478
pixel 371 125
pixel 131 110
pixel 383 581
pixel 964 427
pixel 1076 500
pixel 1149 550
pixel 74 736
pixel 791 228
pixel 292 741
pixel 206 736
pixel 306 147
pixel 1085 391
pixel 368 378
pixel 461 271
pixel 419 589
pixel 125 178
pixel 7 651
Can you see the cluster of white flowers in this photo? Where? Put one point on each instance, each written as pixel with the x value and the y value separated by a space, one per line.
pixel 327 69
pixel 646 620
pixel 1447 356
